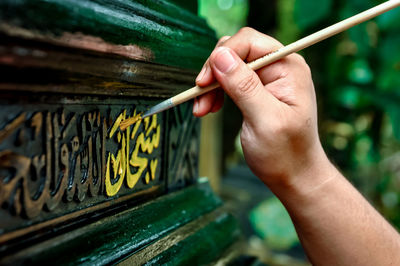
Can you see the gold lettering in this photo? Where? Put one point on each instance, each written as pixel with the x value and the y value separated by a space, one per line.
pixel 119 165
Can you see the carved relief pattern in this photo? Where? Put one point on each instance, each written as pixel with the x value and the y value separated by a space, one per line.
pixel 50 158
pixel 119 166
pixel 184 134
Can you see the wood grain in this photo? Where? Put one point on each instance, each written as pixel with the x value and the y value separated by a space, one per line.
pixel 42 67
pixel 159 31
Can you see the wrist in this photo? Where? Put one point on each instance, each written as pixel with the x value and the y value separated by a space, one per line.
pixel 314 173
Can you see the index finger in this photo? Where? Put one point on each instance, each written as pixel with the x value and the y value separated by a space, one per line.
pixel 250 44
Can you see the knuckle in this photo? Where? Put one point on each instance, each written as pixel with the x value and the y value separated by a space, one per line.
pixel 248 85
pixel 273 43
pixel 302 62
pixel 299 58
pixel 246 31
pixel 222 40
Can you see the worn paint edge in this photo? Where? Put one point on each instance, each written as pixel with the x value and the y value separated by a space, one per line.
pixel 21 232
pixel 124 77
pixel 170 240
pixel 82 41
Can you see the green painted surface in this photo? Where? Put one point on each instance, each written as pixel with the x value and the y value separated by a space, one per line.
pixel 188 5
pixel 204 246
pixel 110 239
pixel 174 35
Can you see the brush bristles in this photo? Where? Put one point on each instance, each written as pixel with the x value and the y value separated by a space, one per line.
pixel 130 121
pixel 153 110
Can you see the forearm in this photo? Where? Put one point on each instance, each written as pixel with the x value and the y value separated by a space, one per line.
pixel 336 225
pixel 280 143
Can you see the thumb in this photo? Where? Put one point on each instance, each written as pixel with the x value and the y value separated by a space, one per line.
pixel 240 82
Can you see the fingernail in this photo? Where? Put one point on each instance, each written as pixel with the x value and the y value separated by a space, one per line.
pixel 201 74
pixel 196 106
pixel 224 60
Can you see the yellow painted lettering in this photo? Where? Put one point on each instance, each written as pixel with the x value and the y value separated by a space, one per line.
pixel 153 168
pixel 111 189
pixel 132 166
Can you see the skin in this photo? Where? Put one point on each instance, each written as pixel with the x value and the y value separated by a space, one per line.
pixel 280 141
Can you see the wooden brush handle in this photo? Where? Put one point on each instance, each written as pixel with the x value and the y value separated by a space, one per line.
pixel 296 46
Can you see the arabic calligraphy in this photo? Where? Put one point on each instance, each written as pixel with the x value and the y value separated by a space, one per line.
pixel 119 166
pixel 52 158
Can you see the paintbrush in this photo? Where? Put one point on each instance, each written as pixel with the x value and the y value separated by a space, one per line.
pixel 270 58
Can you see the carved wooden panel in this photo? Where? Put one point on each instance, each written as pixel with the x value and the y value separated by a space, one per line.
pixel 59 161
pixel 184 146
pixel 74 187
pixel 57 158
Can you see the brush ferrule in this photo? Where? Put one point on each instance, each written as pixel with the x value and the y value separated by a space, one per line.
pixel 159 108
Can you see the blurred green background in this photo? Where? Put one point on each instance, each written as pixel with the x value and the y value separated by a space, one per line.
pixel 357 80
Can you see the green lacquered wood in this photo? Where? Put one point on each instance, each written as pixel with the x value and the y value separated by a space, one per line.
pixel 109 239
pixel 173 35
pixel 188 5
pixel 85 72
pixel 203 246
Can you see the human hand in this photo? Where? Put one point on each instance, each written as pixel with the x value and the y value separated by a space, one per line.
pixel 279 132
pixel 281 146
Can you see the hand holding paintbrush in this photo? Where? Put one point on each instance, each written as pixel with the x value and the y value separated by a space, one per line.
pixel 270 58
pixel 281 145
